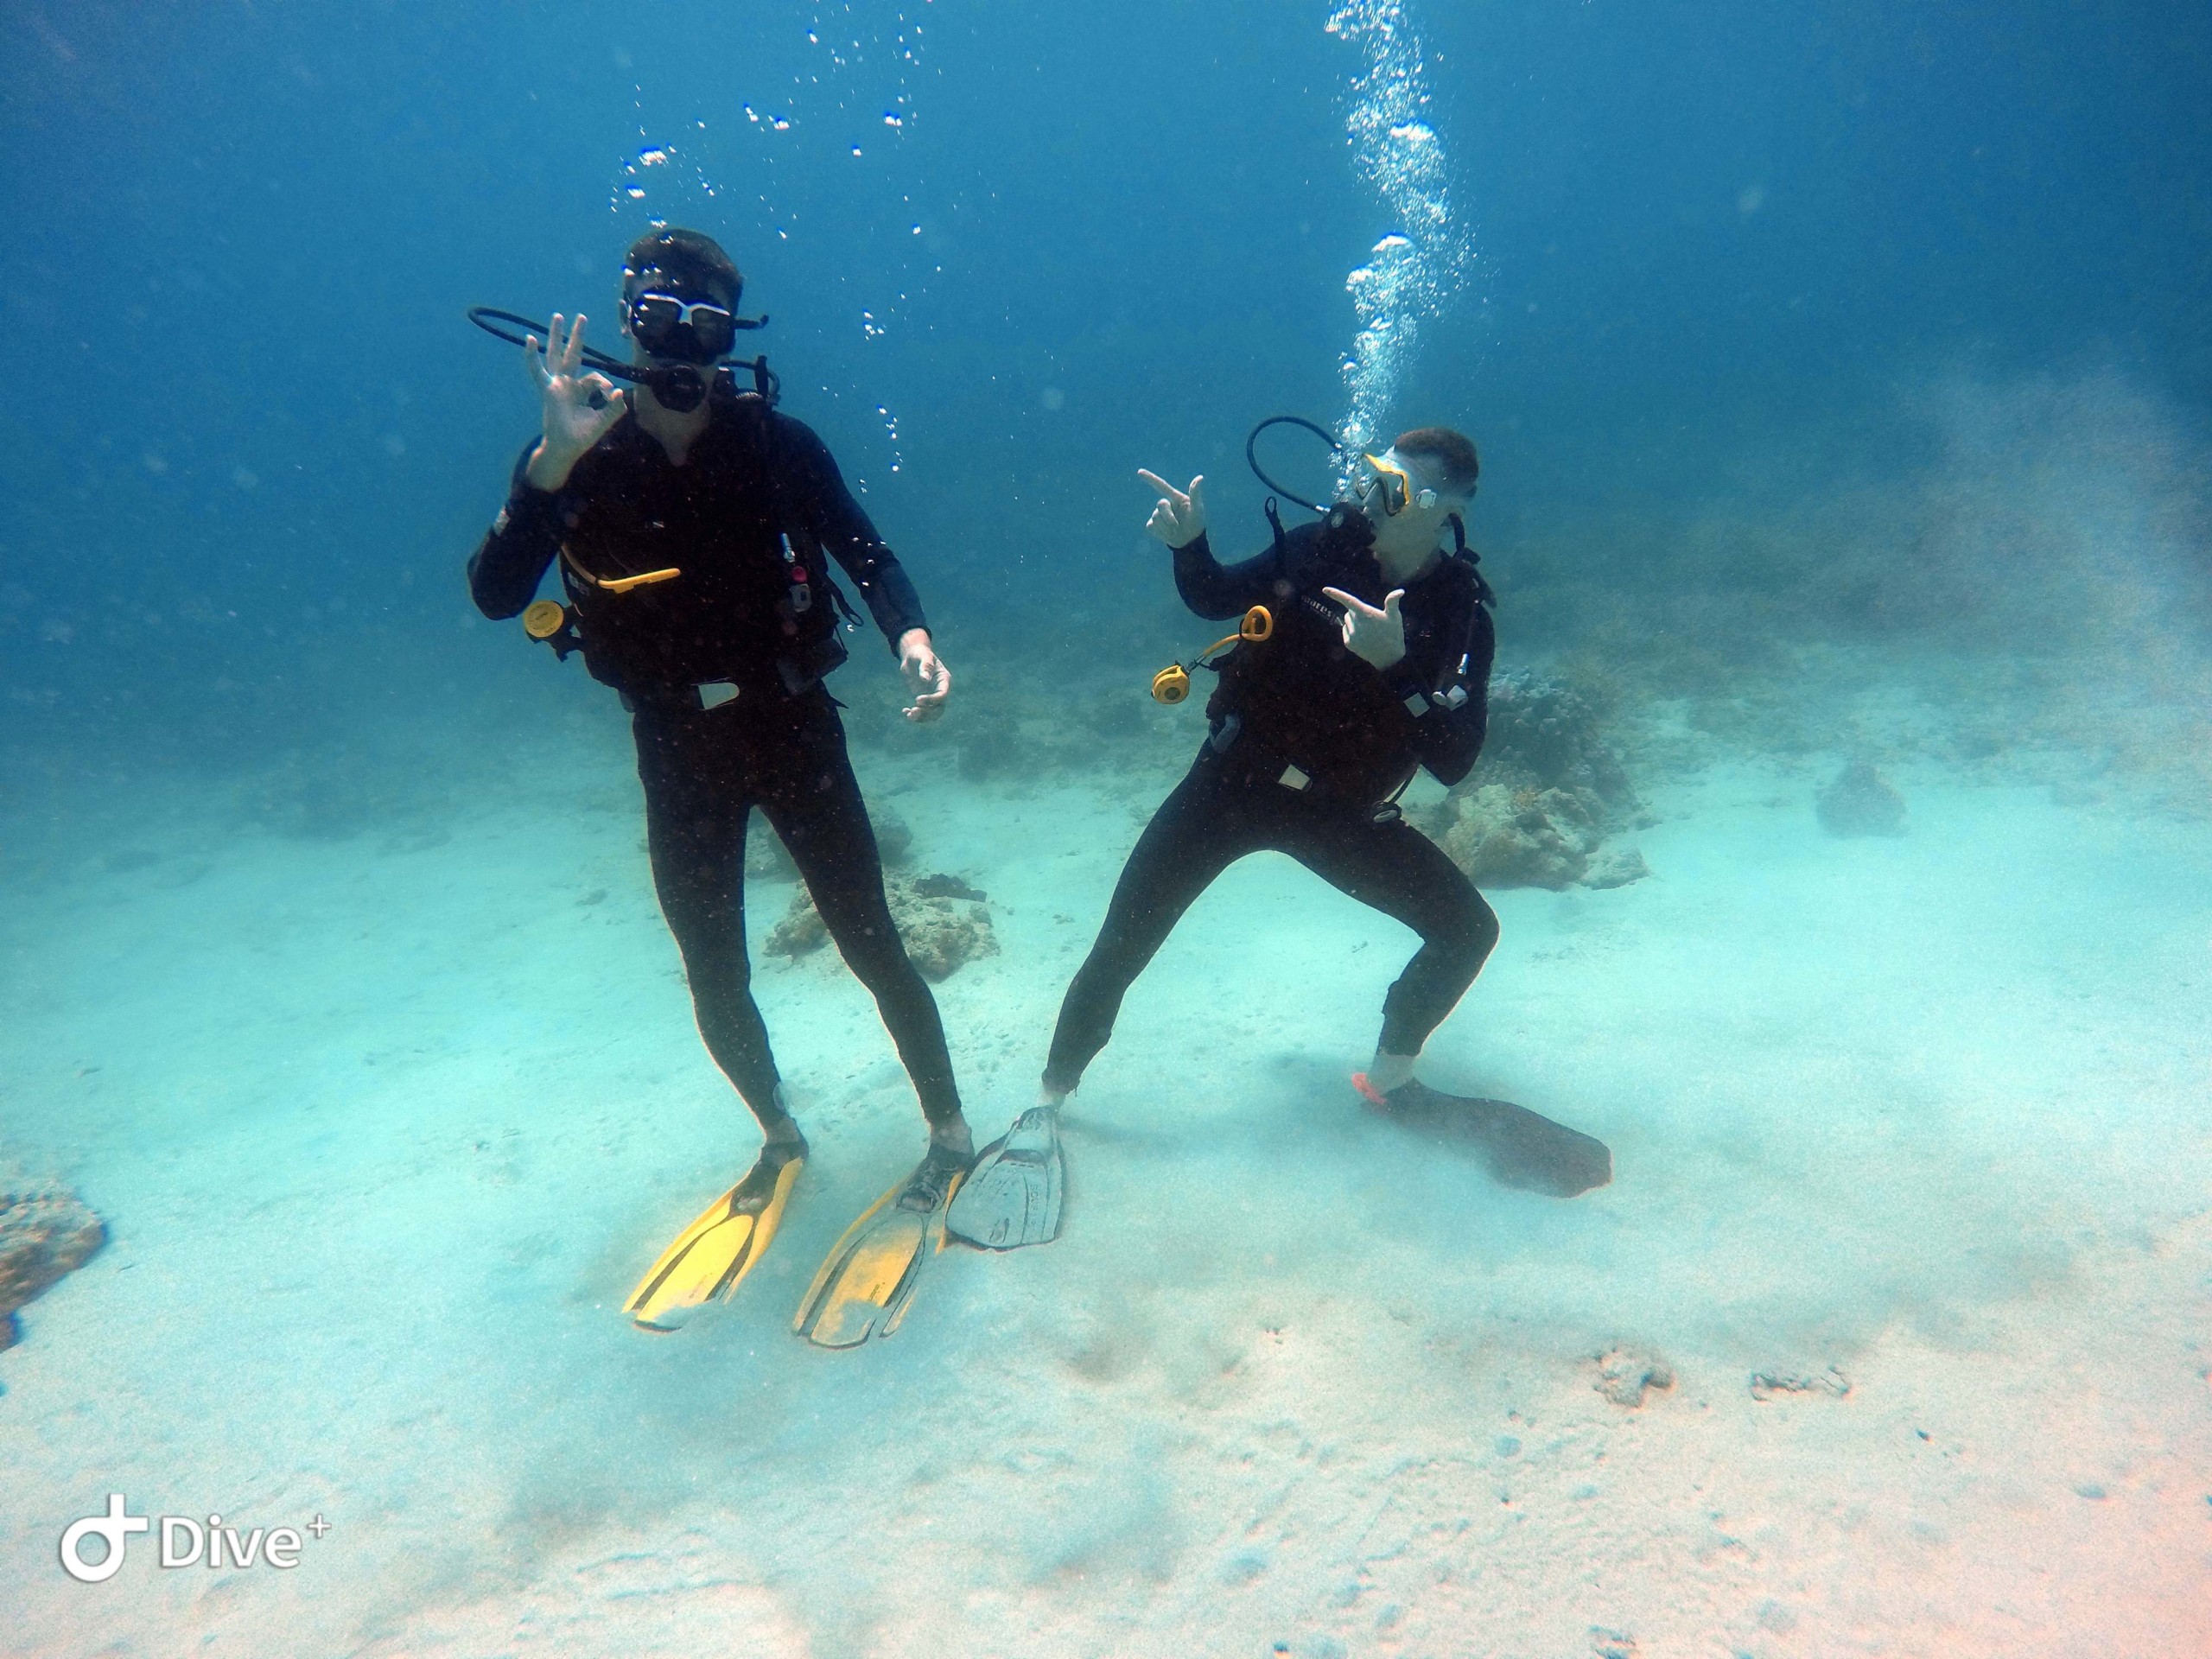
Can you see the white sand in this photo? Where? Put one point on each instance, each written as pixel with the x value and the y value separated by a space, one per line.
pixel 385 1129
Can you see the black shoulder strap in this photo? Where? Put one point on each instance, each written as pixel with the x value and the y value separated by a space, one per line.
pixel 1484 593
pixel 763 414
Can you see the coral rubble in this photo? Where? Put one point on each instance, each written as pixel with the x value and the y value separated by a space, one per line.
pixel 46 1231
pixel 1538 808
pixel 943 921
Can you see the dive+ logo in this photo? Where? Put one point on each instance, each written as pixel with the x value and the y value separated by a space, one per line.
pixel 184 1541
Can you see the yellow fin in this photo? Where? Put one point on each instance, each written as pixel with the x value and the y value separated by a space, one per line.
pixel 710 1258
pixel 867 1282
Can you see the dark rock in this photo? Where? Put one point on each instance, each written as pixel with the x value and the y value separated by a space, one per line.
pixel 1770 1385
pixel 948 887
pixel 1860 801
pixel 45 1232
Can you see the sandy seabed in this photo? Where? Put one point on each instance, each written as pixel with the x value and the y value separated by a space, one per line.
pixel 1911 1141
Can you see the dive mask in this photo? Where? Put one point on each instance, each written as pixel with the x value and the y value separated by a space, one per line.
pixel 1395 486
pixel 699 331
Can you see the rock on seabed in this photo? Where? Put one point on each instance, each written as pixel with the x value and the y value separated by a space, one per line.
pixel 943 922
pixel 1860 801
pixel 1548 789
pixel 46 1231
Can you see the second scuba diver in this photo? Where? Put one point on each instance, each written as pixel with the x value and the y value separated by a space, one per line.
pixel 690 525
pixel 1372 659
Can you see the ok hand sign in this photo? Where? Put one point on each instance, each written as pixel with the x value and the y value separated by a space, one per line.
pixel 571 425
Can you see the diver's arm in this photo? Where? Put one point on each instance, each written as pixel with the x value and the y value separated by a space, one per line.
pixel 1448 739
pixel 818 492
pixel 1216 591
pixel 508 564
pixel 1178 521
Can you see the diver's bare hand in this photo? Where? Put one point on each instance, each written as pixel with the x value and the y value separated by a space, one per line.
pixel 1180 517
pixel 572 425
pixel 927 676
pixel 1377 638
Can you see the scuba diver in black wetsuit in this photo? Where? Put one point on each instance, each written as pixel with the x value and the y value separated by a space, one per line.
pixel 690 526
pixel 1372 660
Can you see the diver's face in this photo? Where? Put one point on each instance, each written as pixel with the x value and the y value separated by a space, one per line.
pixel 671 326
pixel 670 323
pixel 1423 500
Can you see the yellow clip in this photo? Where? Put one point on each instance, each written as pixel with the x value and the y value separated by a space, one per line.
pixel 624 584
pixel 1172 683
pixel 616 584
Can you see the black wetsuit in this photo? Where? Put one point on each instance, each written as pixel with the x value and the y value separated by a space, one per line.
pixel 749 622
pixel 1309 746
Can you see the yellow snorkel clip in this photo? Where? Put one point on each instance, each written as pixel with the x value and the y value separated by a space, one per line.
pixel 618 584
pixel 1172 683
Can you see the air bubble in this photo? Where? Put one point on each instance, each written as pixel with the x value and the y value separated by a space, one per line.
pixel 636 193
pixel 1417 268
pixel 653 156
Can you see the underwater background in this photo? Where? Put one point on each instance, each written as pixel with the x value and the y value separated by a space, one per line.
pixel 1840 375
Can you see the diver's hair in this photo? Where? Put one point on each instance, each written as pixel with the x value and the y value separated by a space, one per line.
pixel 684 255
pixel 1455 451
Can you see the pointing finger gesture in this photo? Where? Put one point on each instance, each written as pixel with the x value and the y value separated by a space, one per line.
pixel 1179 517
pixel 1375 637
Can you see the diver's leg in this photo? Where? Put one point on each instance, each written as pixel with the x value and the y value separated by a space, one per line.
pixel 814 804
pixel 1401 873
pixel 1199 831
pixel 696 803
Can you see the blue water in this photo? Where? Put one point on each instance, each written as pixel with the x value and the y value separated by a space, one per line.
pixel 240 241
pixel 1841 376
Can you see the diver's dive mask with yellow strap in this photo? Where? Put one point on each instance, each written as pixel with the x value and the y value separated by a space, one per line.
pixel 1395 485
pixel 1172 683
